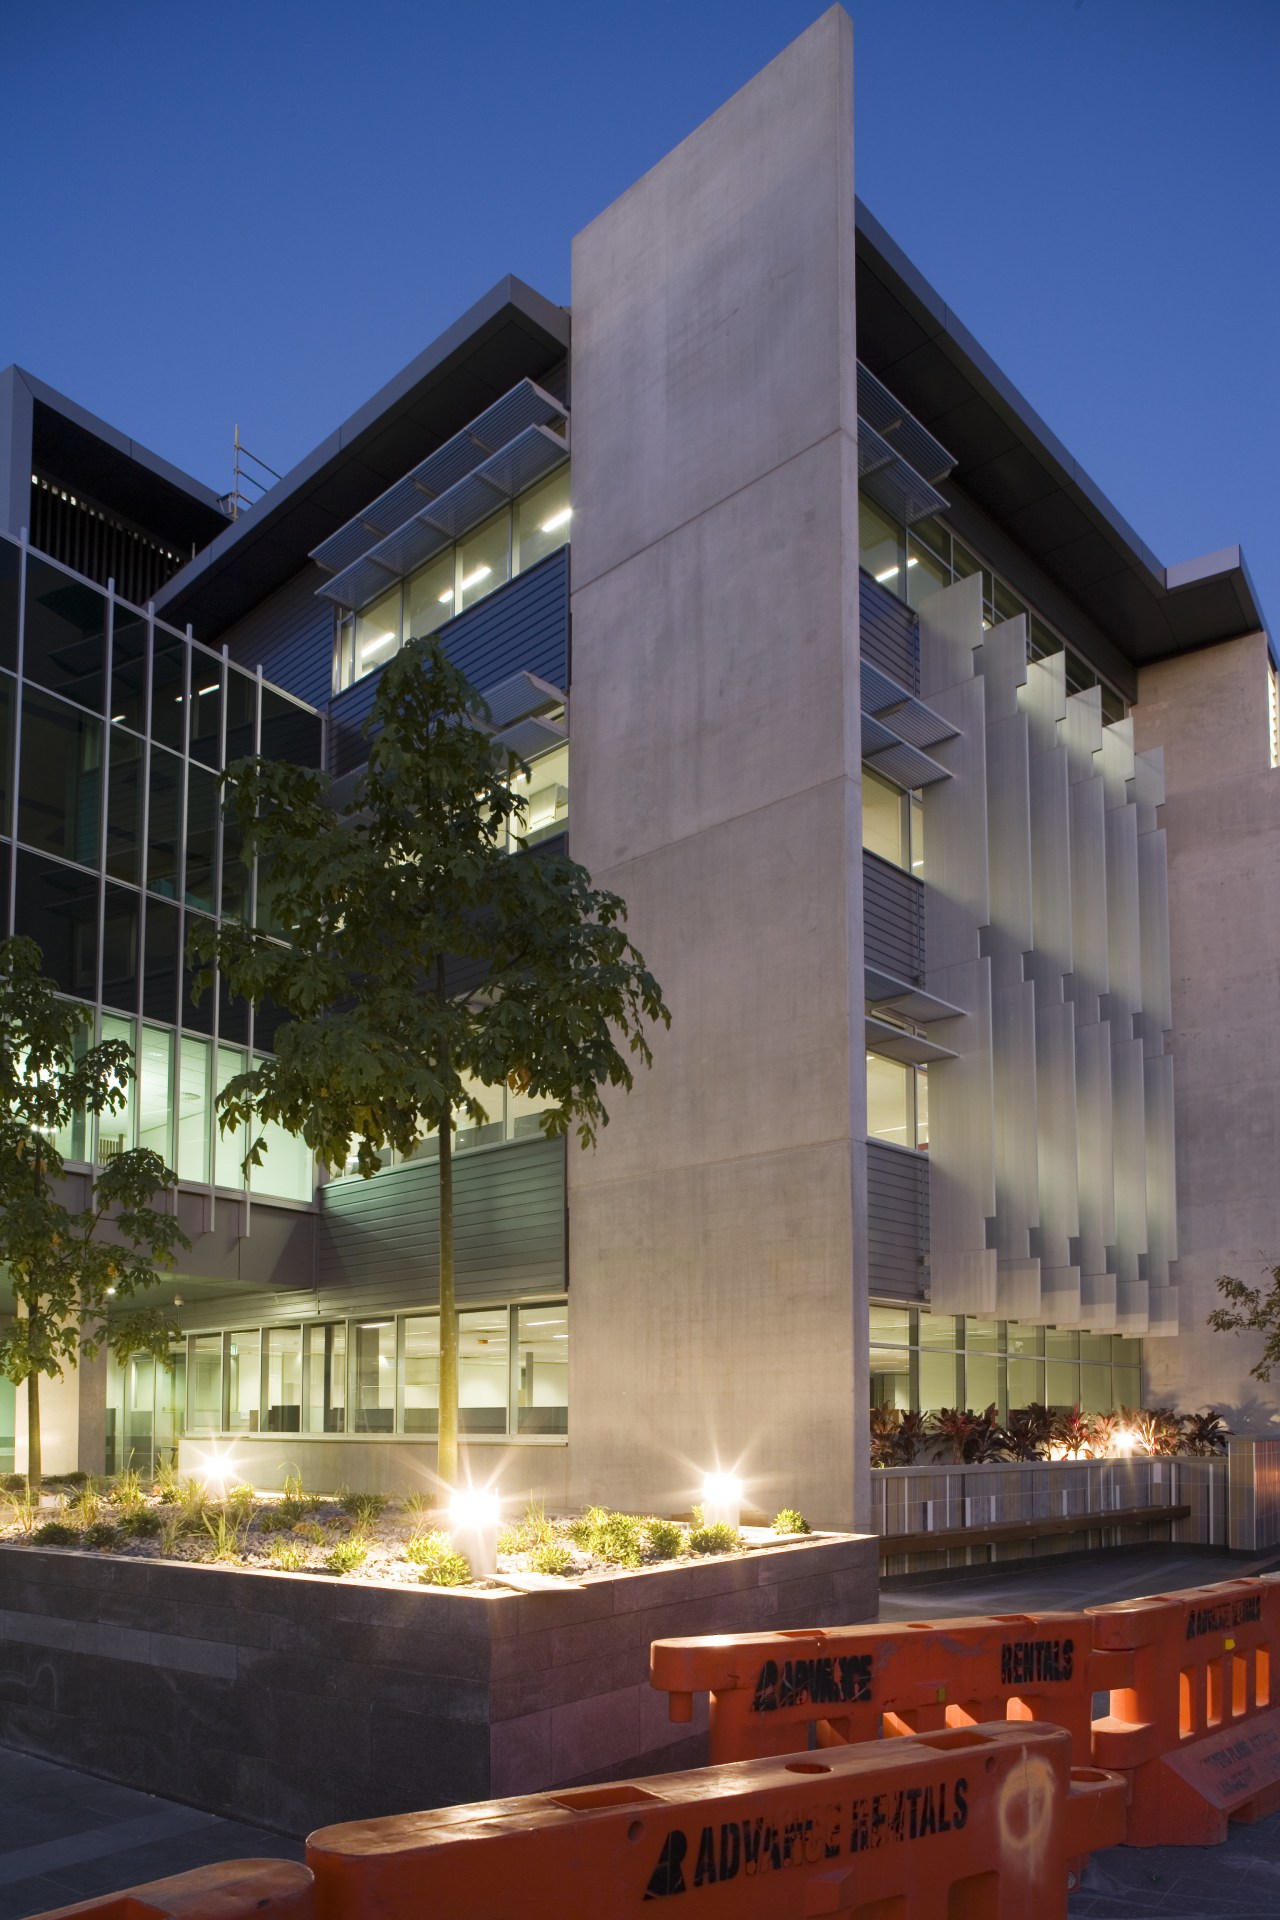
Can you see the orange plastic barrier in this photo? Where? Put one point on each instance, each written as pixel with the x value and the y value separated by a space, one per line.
pixel 232 1890
pixel 972 1824
pixel 1197 1726
pixel 768 1690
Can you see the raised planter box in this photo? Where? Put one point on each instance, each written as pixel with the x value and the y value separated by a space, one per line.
pixel 294 1701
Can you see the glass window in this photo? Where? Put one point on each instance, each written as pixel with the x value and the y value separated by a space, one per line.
pixel 288 731
pixel 890 1378
pixel 428 596
pixel 120 948
pixel 171 1401
pixel 483 1371
pixel 129 670
pixel 890 1114
pixel 230 1148
pixel 1061 1383
pixel 235 872
pixel 523 1111
pixel 982 1336
pixel 169 690
pixel 282 1379
pixel 891 1324
pixel 939 1330
pixel 59 791
pixel 242 706
pixel 8 689
pixel 287 1171
pixel 545 792
pixel 542 519
pixel 926 574
pixel 202 837
pixel 204 1383
pixel 194 1118
pixel 65 635
pixel 421 1387
pixel 1095 1389
pixel 470 1133
pixel 124 806
pixel 206 708
pixel 885 820
pixel 57 907
pixel 116 1126
pixel 164 820
pixel 1007 604
pixel 1026 1381
pixel 1113 709
pixel 981 1381
pixel 71 1139
pixel 373 1375
pixel 484 560
pixel 378 633
pixel 938 1380
pixel 917 834
pixel 326 1352
pixel 922 1109
pixel 161 961
pixel 1127 1386
pixel 244 1386
pixel 155 1093
pixel 10 567
pixel 879 545
pixel 542 1371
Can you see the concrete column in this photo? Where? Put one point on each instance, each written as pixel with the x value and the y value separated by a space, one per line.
pixel 1221 819
pixel 717 1235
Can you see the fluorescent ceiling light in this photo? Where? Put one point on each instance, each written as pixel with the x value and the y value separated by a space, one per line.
pixel 887 574
pixel 560 519
pixel 473 579
pixel 447 594
pixel 212 689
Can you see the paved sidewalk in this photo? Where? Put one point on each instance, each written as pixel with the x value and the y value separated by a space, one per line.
pixel 1077 1580
pixel 67 1836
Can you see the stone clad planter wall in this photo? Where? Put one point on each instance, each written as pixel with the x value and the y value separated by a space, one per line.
pixel 294 1701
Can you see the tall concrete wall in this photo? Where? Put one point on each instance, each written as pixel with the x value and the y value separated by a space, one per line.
pixel 718 1234
pixel 1221 818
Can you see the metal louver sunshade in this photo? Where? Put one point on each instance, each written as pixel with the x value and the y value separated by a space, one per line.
pixel 884 412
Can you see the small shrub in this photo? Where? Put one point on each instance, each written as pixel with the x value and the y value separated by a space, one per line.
pixel 309 1530
pixel 664 1539
pixel 790 1520
pixel 581 1529
pixel 125 1492
pixel 271 1520
pixel 145 1524
pixel 26 1507
pixel 166 1483
pixel 226 1533
pixel 418 1504
pixel 240 1502
pixel 193 1504
pixel 56 1533
pixel 87 1504
pixel 364 1507
pixel 719 1537
pixel 170 1534
pixel 289 1556
pixel 439 1565
pixel 295 1503
pixel 534 1530
pixel 347 1556
pixel 77 1479
pixel 617 1540
pixel 102 1534
pixel 14 1483
pixel 550 1557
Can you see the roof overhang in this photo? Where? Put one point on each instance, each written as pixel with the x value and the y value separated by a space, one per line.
pixel 511 334
pixel 1022 477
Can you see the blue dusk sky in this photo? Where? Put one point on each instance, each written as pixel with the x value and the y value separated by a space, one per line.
pixel 258 213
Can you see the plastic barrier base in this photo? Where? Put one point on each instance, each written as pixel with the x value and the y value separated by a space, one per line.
pixel 232 1890
pixel 1186 1799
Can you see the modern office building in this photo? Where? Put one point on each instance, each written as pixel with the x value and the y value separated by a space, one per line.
pixel 941 807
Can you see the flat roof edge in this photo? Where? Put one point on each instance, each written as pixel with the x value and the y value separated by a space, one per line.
pixel 110 436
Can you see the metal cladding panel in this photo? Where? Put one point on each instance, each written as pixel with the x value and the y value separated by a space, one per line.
pixel 1056 1127
pixel 897 1221
pixel 888 633
pixel 509 1210
pixel 950 630
pixel 1091 972
pixel 1129 1123
pixel 1013 1044
pixel 892 919
pixel 1123 919
pixel 290 635
pixel 962 1183
pixel 1095 1150
pixel 1009 831
pixel 1051 869
pixel 522 626
pixel 1153 914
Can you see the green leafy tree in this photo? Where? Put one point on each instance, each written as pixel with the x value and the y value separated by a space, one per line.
pixel 76 1272
pixel 422 958
pixel 1252 1310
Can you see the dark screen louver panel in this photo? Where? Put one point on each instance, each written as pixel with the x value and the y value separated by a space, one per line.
pixel 378 1238
pixel 890 633
pixel 892 919
pixel 97 543
pixel 897 1221
pixel 524 626
pixel 290 635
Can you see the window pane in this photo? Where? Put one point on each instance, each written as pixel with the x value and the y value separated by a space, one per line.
pixel 884 819
pixel 879 545
pixel 282 1379
pixel 193 1111
pixel 160 983
pixel 288 731
pixel 57 907
pixel 65 635
pixel 926 575
pixel 939 1330
pixel 1126 1385
pixel 287 1170
pixel 206 708
pixel 129 670
pixel 890 1378
pixel 1061 1345
pixel 163 822
pixel 428 596
pixel 523 1110
pixel 327 1378
pixel 1007 604
pixel 155 1093
pixel 373 1375
pixel 542 1390
pixel 483 559
pixel 982 1336
pixel 243 1382
pixel 230 1148
pixel 8 690
pixel 10 566
pixel 59 792
pixel 235 873
pixel 541 521
pixel 1095 1389
pixel 202 832
pixel 168 690
pixel 242 702
pixel 422 1373
pixel 204 1383
pixel 471 1133
pixel 124 806
pixel 938 1380
pixel 378 633
pixel 545 793
pixel 982 1381
pixel 116 1126
pixel 1026 1382
pixel 483 1375
pixel 889 1115
pixel 1061 1383
pixel 917 834
pixel 922 1109
pixel 71 1140
pixel 891 1324
pixel 120 948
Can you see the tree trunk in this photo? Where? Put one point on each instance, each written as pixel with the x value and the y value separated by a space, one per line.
pixel 33 1429
pixel 447 1454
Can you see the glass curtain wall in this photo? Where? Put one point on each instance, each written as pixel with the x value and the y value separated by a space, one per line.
pixel 929 1361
